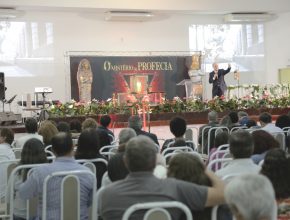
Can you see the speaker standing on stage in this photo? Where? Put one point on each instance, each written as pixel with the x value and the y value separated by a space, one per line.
pixel 216 77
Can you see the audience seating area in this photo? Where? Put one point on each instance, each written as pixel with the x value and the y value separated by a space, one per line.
pixel 208 155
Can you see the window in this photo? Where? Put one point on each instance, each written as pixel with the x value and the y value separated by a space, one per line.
pixel 34 35
pixel 49 33
pixel 249 35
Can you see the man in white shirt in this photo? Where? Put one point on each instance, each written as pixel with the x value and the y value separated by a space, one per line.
pixel 265 119
pixel 31 129
pixel 6 153
pixel 241 146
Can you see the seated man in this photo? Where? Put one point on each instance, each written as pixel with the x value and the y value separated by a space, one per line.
pixel 265 120
pixel 142 186
pixel 31 129
pixel 135 123
pixel 241 146
pixel 212 122
pixel 62 147
pixel 178 128
pixel 251 196
pixel 105 121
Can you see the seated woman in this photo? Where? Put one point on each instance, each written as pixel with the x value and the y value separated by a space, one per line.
pixel 263 142
pixel 32 153
pixel 47 130
pixel 177 127
pixel 276 167
pixel 220 139
pixel 6 152
pixel 187 167
pixel 88 148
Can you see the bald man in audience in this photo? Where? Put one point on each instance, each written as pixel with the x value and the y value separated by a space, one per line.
pixel 142 186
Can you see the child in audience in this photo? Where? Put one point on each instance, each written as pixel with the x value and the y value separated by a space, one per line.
pixel 32 153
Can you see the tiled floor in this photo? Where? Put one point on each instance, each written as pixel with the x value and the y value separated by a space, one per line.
pixel 163 132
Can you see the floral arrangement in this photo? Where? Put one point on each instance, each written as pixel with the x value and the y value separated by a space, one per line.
pixel 177 105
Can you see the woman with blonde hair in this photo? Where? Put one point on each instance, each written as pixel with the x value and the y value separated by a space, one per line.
pixel 47 130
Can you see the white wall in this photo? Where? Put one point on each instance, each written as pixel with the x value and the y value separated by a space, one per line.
pixel 277 35
pixel 88 32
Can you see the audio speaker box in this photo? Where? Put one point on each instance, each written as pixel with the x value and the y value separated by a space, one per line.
pixel 2 86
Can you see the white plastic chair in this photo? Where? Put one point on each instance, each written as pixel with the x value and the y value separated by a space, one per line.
pixel 223 147
pixel 157 206
pixel 216 131
pixel 108 150
pixel 175 149
pixel 202 137
pixel 11 189
pixel 193 129
pixel 48 148
pixel 280 137
pixel 70 194
pixel 238 128
pixel 169 155
pixel 218 154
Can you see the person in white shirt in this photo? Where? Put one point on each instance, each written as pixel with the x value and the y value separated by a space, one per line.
pixel 265 120
pixel 6 153
pixel 31 129
pixel 241 146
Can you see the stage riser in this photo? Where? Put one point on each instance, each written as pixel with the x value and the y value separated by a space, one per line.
pixel 120 121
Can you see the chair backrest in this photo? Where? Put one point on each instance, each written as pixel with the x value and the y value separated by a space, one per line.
pixel 13 174
pixel 286 129
pixel 112 138
pixel 17 153
pixel 204 129
pixel 108 150
pixel 70 194
pixel 223 147
pixel 157 206
pixel 194 130
pixel 91 166
pixel 188 134
pixel 6 167
pixel 216 131
pixel 48 147
pixel 218 154
pixel 169 155
pixel 280 137
pixel 174 149
pixel 49 153
pixel 214 164
pixel 238 128
pixel 157 214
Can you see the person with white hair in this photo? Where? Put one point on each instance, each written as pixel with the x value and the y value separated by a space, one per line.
pixel 135 122
pixel 251 197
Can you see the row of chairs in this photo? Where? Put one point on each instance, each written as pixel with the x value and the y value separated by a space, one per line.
pixel 13 168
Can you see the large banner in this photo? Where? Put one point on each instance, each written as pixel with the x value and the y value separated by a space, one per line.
pixel 101 77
